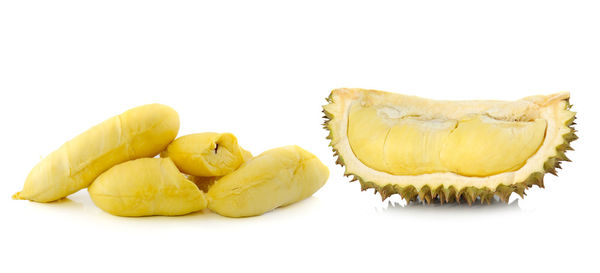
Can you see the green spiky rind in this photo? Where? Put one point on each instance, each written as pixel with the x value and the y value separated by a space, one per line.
pixel 470 194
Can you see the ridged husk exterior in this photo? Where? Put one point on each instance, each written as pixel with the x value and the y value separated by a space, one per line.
pixel 451 194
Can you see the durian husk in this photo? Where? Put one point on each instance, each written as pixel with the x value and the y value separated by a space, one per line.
pixel 451 193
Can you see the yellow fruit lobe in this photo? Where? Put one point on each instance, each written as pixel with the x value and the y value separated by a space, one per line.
pixel 206 154
pixel 275 178
pixel 146 186
pixel 143 131
pixel 482 146
pixel 475 145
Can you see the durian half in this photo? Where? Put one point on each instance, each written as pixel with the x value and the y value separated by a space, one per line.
pixel 448 150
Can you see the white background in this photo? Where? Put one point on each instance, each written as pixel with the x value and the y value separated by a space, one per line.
pixel 261 70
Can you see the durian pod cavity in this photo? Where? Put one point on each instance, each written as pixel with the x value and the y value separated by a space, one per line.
pixel 146 186
pixel 206 154
pixel 143 131
pixel 275 178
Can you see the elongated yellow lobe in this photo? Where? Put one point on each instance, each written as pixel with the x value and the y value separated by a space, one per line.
pixel 143 131
pixel 207 154
pixel 475 145
pixel 481 146
pixel 146 186
pixel 275 178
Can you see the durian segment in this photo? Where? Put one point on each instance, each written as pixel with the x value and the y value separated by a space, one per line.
pixel 275 178
pixel 553 110
pixel 413 146
pixel 404 145
pixel 475 145
pixel 143 131
pixel 482 146
pixel 146 186
pixel 367 135
pixel 206 154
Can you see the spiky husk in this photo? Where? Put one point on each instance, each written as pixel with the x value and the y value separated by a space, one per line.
pixel 471 194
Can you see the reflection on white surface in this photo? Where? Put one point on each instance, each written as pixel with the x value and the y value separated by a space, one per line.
pixel 494 204
pixel 80 205
pixel 476 208
pixel 396 204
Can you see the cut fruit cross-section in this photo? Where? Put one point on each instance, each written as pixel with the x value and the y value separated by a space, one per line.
pixel 448 150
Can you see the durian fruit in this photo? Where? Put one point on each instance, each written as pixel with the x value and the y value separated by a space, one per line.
pixel 275 178
pixel 146 186
pixel 143 131
pixel 206 154
pixel 448 150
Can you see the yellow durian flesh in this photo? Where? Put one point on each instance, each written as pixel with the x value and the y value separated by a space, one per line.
pixel 143 131
pixel 397 146
pixel 275 178
pixel 144 187
pixel 474 145
pixel 206 154
pixel 481 146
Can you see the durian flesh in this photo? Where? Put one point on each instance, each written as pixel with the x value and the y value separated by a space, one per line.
pixel 447 149
pixel 142 131
pixel 206 154
pixel 275 178
pixel 473 145
pixel 144 187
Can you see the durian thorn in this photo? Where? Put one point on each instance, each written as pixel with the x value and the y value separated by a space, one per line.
pixel 386 191
pixel 459 194
pixel 424 194
pixel 503 192
pixel 363 186
pixel 520 189
pixel 436 192
pixel 472 194
pixel 468 199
